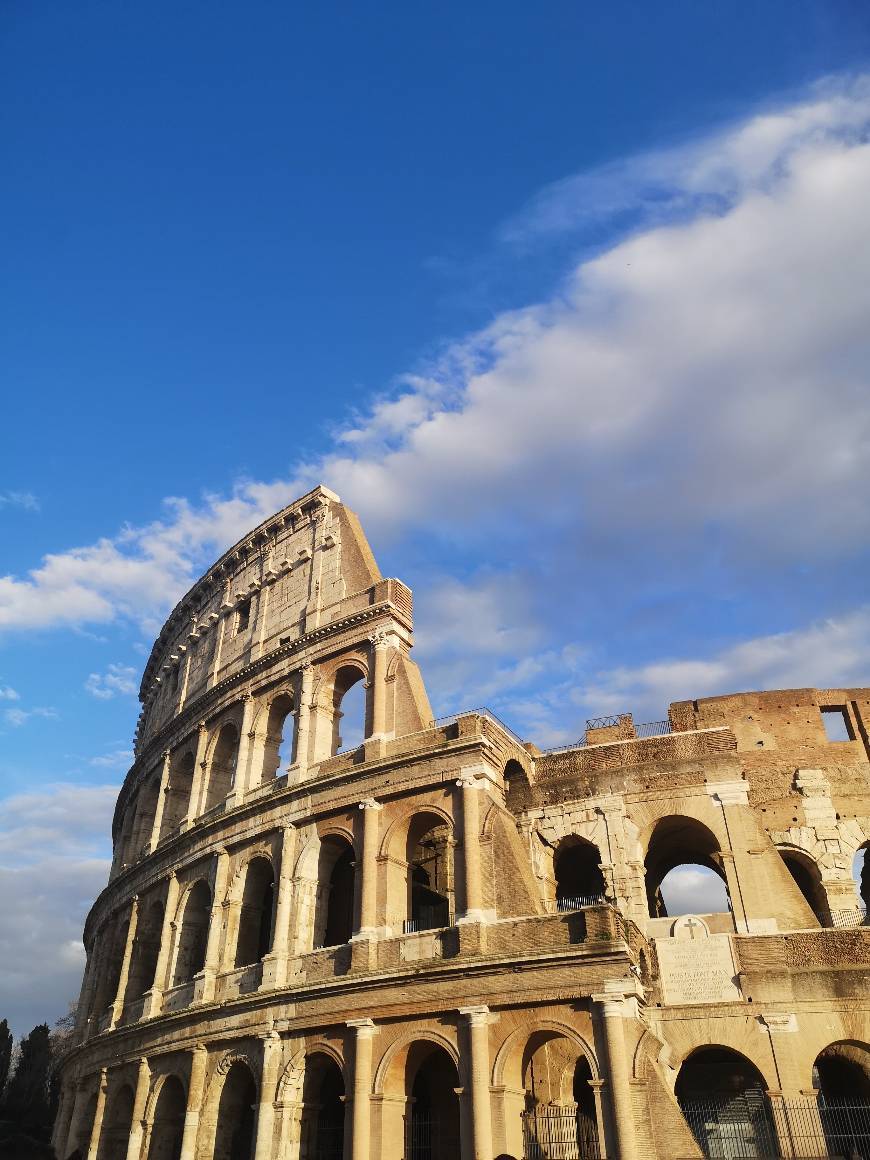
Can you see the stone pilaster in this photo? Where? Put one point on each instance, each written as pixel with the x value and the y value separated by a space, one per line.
pixel 362 1087
pixel 481 1110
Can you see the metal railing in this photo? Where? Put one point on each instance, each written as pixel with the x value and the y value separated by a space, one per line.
pixel 428 918
pixel 559 1132
pixel 641 733
pixel 752 1125
pixel 578 902
pixel 857 916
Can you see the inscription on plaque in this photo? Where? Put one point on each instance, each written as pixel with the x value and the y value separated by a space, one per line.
pixel 696 966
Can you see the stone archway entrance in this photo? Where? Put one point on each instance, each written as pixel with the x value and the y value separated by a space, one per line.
pixel 432 1116
pixel 322 1127
pixel 723 1098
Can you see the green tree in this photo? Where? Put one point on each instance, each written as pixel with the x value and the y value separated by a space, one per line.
pixel 5 1054
pixel 27 1095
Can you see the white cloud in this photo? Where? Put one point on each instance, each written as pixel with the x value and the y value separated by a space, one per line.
pixel 17 717
pixel 710 372
pixel 54 859
pixel 119 680
pixel 7 693
pixel 116 759
pixel 694 890
pixel 21 499
pixel 834 653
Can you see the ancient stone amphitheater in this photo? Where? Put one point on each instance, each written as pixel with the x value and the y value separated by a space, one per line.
pixel 398 937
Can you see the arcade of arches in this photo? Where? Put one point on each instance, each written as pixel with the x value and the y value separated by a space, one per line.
pixel 337 928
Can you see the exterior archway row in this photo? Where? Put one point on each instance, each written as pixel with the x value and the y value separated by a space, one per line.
pixel 251 911
pixel 460 1086
pixel 271 733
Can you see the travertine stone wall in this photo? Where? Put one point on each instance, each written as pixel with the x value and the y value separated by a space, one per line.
pixel 307 949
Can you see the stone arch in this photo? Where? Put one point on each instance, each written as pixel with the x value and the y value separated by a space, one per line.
pixel 117 1121
pixel 807 877
pixel 178 804
pixel 146 949
pixel 256 911
pixel 579 880
pixel 506 1056
pixel 722 1095
pixel 277 738
pixel 350 674
pixel 165 1117
pixel 421 887
pixel 231 1101
pixel 222 755
pixel 402 1043
pixel 146 811
pixel 419 1077
pixel 192 925
pixel 675 841
pixel 841 1072
pixel 336 890
pixel 322 1111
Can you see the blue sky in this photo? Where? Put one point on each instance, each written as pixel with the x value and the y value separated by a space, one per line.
pixel 568 301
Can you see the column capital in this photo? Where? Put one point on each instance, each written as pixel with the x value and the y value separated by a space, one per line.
pixel 364 1028
pixel 477 1016
pixel 370 804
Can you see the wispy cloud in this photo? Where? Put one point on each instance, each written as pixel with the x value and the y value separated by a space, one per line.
pixel 118 680
pixel 20 499
pixel 7 693
pixel 16 717
pixel 116 759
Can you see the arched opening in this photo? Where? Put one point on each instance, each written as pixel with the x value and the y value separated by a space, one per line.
pixel 278 747
pixel 336 875
pixel 146 949
pixel 516 786
pixel 349 709
pixel 167 1128
pixel 193 935
pixel 432 1110
pixel 80 1137
pixel 429 854
pixel 684 873
pixel 117 1121
pixel 841 1075
pixel 255 920
pixel 559 1116
pixel 126 841
pixel 322 1135
pixel 723 1098
pixel 107 990
pixel 146 811
pixel 222 773
pixel 808 880
pixel 234 1132
pixel 576 867
pixel 178 794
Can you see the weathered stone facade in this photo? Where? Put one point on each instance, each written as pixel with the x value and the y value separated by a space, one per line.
pixel 443 942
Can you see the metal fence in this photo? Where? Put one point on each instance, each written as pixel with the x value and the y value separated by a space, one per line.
pixel 428 918
pixel 322 1138
pixel 431 1137
pixel 752 1126
pixel 560 1132
pixel 857 916
pixel 578 901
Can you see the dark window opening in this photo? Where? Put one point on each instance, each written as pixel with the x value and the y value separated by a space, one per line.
pixel 806 877
pixel 340 898
pixel 579 881
pixel 255 921
pixel 322 1126
pixel 430 874
pixel 243 616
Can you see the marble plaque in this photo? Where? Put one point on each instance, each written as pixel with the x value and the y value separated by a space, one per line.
pixel 698 968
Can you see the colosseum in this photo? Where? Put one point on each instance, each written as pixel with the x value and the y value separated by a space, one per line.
pixel 338 929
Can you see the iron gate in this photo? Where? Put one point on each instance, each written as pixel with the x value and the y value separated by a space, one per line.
pixel 559 1132
pixel 751 1127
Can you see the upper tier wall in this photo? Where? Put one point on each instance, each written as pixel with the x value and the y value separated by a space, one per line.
pixel 307 566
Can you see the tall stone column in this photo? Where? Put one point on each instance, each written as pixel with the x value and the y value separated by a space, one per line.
pixel 275 964
pixel 368 891
pixel 470 789
pixel 99 1112
pixel 63 1119
pixel 161 971
pixel 118 1002
pixel 266 1110
pixel 197 784
pixel 362 1087
pixel 481 1111
pixel 731 796
pixel 195 1089
pixel 161 803
pixel 213 944
pixel 616 1008
pixel 303 719
pixel 381 648
pixel 140 1099
pixel 244 773
pixel 67 1141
